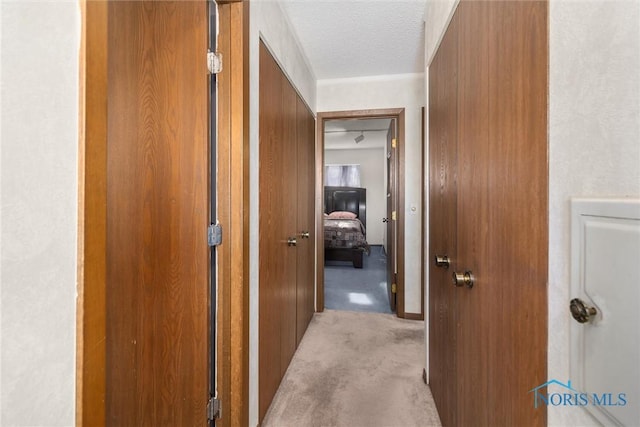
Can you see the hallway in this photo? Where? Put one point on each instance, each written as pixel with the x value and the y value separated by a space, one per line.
pixel 356 369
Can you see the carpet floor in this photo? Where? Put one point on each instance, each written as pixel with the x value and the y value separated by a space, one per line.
pixel 358 289
pixel 356 370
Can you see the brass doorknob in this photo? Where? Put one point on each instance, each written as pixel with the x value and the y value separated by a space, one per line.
pixel 463 279
pixel 581 311
pixel 442 261
pixel 304 234
pixel 292 241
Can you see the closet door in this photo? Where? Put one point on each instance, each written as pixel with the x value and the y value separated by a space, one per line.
pixel 277 206
pixel 476 352
pixel 305 131
pixel 288 170
pixel 493 324
pixel 443 93
pixel 287 237
pixel 518 224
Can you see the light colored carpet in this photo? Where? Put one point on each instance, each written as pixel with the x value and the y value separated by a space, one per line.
pixel 356 369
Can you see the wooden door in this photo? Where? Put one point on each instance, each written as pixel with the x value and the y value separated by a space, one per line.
pixel 277 200
pixel 306 220
pixel 286 211
pixel 157 257
pixel 392 206
pixel 475 305
pixel 443 105
pixel 518 221
pixel 498 66
pixel 288 171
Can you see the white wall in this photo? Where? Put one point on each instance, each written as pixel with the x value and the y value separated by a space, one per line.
pixel 396 91
pixel 38 197
pixel 437 15
pixel 267 21
pixel 594 134
pixel 594 140
pixel 373 163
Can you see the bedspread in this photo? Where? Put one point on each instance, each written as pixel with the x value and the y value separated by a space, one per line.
pixel 344 234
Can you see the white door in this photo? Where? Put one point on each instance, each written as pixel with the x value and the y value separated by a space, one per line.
pixel 605 276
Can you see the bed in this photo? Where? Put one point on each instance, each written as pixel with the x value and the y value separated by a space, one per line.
pixel 345 238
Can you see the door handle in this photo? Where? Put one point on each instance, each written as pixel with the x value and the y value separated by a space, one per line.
pixel 292 241
pixel 580 311
pixel 442 261
pixel 463 279
pixel 304 234
pixel 385 219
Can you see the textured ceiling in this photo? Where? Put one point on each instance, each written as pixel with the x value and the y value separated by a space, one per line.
pixel 353 38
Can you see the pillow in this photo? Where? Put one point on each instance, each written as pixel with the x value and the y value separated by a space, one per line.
pixel 342 215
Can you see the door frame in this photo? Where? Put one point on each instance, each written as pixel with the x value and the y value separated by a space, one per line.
pixel 392 113
pixel 232 362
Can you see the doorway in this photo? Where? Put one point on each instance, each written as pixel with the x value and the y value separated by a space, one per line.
pixel 355 157
pixel 359 170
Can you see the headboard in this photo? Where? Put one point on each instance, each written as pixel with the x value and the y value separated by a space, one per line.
pixel 350 199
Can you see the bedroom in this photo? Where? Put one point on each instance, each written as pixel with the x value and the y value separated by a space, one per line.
pixel 355 156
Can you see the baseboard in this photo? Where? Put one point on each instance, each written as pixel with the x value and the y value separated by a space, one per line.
pixel 414 316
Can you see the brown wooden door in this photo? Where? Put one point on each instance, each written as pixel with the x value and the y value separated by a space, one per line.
pixel 157 214
pixel 518 220
pixel 306 219
pixel 277 203
pixel 288 172
pixel 474 349
pixel 392 206
pixel 286 211
pixel 495 54
pixel 443 105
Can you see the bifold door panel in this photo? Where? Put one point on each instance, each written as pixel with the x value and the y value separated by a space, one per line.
pixel 287 225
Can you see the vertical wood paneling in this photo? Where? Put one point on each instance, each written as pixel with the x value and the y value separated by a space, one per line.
pixel 286 209
pixel 157 206
pixel 233 213
pixel 443 108
pixel 518 181
pixel 91 386
pixel 238 412
pixel 273 233
pixel 287 175
pixel 474 306
pixel 224 214
pixel 306 221
pixel 500 226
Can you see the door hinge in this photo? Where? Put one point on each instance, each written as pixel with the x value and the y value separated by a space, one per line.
pixel 393 143
pixel 214 409
pixel 394 288
pixel 394 217
pixel 214 62
pixel 214 234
